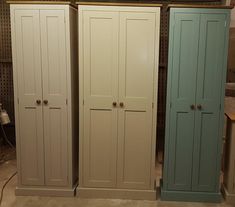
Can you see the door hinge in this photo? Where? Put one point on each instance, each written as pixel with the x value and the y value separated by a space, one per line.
pixel 18 100
pixel 66 101
pixel 225 23
pixel 170 104
pixel 152 105
pixel 83 102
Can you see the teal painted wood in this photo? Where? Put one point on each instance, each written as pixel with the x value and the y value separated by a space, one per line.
pixel 193 138
pixel 184 68
pixel 189 196
pixel 207 120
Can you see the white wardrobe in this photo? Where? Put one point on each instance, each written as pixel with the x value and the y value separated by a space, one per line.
pixel 118 73
pixel 44 45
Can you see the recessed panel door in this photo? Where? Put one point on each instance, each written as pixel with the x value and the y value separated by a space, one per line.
pixel 136 80
pixel 28 67
pixel 207 129
pixel 54 96
pixel 100 68
pixel 183 60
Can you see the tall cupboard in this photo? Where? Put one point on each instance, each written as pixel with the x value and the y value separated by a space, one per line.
pixel 118 63
pixel 195 95
pixel 44 50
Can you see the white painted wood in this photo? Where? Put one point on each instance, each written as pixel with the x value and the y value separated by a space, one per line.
pixel 54 91
pixel 54 57
pixel 136 83
pixel 135 36
pixel 28 64
pixel 100 36
pixel 108 193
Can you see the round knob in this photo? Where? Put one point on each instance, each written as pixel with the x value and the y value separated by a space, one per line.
pixel 121 104
pixel 45 102
pixel 199 106
pixel 192 106
pixel 38 102
pixel 114 104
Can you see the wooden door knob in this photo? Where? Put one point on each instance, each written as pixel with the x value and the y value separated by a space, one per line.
pixel 121 104
pixel 199 106
pixel 38 102
pixel 114 104
pixel 45 102
pixel 192 107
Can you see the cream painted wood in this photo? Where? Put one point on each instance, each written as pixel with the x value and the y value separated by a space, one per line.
pixel 54 91
pixel 119 47
pixel 100 91
pixel 56 71
pixel 28 64
pixel 136 83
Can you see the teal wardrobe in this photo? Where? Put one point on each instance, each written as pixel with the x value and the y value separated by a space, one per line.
pixel 198 41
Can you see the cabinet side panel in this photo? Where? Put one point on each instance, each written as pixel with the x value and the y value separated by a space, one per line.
pixel 73 72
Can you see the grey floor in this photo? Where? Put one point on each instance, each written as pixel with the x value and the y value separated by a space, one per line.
pixel 10 200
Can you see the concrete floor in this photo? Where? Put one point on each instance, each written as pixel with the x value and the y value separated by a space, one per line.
pixel 10 200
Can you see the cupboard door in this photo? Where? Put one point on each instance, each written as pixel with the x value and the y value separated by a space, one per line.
pixel 55 92
pixel 136 80
pixel 28 67
pixel 100 68
pixel 183 69
pixel 207 130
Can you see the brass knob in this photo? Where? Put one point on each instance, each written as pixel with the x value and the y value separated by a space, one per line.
pixel 192 107
pixel 114 104
pixel 199 106
pixel 45 102
pixel 38 102
pixel 121 104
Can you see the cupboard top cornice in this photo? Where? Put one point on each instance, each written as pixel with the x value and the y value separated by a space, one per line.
pixel 119 3
pixel 42 2
pixel 200 6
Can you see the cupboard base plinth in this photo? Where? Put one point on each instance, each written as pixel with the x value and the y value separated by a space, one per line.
pixel 116 193
pixel 229 197
pixel 60 192
pixel 190 196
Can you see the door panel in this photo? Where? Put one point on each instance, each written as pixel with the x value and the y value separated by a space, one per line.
pixel 28 64
pixel 210 70
pixel 183 72
pixel 100 49
pixel 55 92
pixel 136 75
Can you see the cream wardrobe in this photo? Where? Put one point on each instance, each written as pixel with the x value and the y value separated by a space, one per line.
pixel 118 64
pixel 44 45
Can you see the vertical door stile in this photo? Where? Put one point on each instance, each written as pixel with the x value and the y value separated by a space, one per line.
pixel 28 64
pixel 53 35
pixel 100 48
pixel 136 69
pixel 208 99
pixel 182 112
